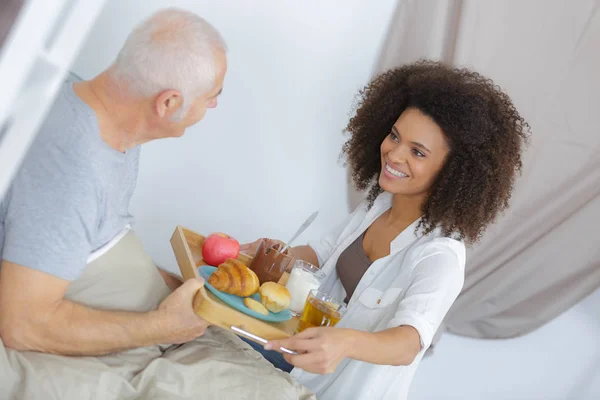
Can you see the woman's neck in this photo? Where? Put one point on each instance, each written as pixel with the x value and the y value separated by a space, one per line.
pixel 405 210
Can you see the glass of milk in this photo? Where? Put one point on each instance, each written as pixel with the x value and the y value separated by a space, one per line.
pixel 303 278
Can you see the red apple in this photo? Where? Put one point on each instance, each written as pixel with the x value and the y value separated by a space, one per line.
pixel 218 247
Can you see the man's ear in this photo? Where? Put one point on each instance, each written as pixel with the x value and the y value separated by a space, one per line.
pixel 168 102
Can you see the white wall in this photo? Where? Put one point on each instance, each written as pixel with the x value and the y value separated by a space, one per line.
pixel 294 68
pixel 559 361
pixel 267 157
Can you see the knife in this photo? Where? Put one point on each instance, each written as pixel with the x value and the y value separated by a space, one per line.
pixel 302 228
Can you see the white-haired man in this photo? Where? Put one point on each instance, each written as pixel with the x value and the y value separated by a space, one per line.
pixel 66 248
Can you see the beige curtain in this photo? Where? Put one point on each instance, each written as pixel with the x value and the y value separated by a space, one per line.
pixel 543 255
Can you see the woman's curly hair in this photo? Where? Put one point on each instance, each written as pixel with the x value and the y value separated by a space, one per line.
pixel 484 131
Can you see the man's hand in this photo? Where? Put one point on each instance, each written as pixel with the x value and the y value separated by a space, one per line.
pixel 34 316
pixel 181 324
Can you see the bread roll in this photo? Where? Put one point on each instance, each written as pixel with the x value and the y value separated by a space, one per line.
pixel 234 277
pixel 255 306
pixel 274 296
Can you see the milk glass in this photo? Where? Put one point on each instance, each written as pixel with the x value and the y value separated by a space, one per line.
pixel 303 278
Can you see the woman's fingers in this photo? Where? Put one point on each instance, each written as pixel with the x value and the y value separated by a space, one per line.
pixel 316 363
pixel 308 333
pixel 299 345
pixel 301 341
pixel 250 248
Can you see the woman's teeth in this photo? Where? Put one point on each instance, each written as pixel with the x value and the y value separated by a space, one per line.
pixel 394 172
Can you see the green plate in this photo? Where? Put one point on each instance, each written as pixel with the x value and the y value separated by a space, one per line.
pixel 237 302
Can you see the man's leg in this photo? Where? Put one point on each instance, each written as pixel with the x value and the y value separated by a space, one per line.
pixel 217 366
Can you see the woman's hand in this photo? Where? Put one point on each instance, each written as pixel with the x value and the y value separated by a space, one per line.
pixel 322 349
pixel 251 248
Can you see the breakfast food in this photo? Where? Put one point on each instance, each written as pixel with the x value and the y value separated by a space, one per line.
pixel 274 297
pixel 255 306
pixel 270 264
pixel 218 247
pixel 234 277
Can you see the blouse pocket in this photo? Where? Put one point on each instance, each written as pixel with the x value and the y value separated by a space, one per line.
pixel 376 303
pixel 377 299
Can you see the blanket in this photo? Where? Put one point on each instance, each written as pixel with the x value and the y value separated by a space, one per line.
pixel 218 365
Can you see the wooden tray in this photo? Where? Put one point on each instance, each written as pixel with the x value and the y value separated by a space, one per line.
pixel 187 246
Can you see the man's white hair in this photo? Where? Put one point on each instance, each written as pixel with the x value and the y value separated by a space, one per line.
pixel 172 49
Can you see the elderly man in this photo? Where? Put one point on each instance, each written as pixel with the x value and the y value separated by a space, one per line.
pixel 75 280
pixel 69 202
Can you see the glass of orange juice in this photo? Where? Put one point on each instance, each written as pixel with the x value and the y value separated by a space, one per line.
pixel 320 309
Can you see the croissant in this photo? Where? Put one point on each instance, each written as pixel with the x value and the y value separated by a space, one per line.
pixel 234 277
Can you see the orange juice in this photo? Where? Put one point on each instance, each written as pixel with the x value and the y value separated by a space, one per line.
pixel 318 313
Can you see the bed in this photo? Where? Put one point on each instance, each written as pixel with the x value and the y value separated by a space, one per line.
pixel 218 365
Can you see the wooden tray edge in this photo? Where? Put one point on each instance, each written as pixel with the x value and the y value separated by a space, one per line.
pixel 208 306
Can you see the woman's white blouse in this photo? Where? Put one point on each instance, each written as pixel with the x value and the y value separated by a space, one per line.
pixel 415 285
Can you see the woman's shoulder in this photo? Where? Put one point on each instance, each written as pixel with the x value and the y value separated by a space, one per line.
pixel 436 244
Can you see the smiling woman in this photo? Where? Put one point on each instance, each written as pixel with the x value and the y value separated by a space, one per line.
pixel 409 166
pixel 438 148
pixel 477 122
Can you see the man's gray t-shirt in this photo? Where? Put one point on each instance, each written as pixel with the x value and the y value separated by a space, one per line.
pixel 71 195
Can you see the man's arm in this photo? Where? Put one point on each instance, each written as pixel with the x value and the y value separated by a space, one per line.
pixel 35 316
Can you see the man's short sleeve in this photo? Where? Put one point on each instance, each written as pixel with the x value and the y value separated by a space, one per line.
pixel 50 216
